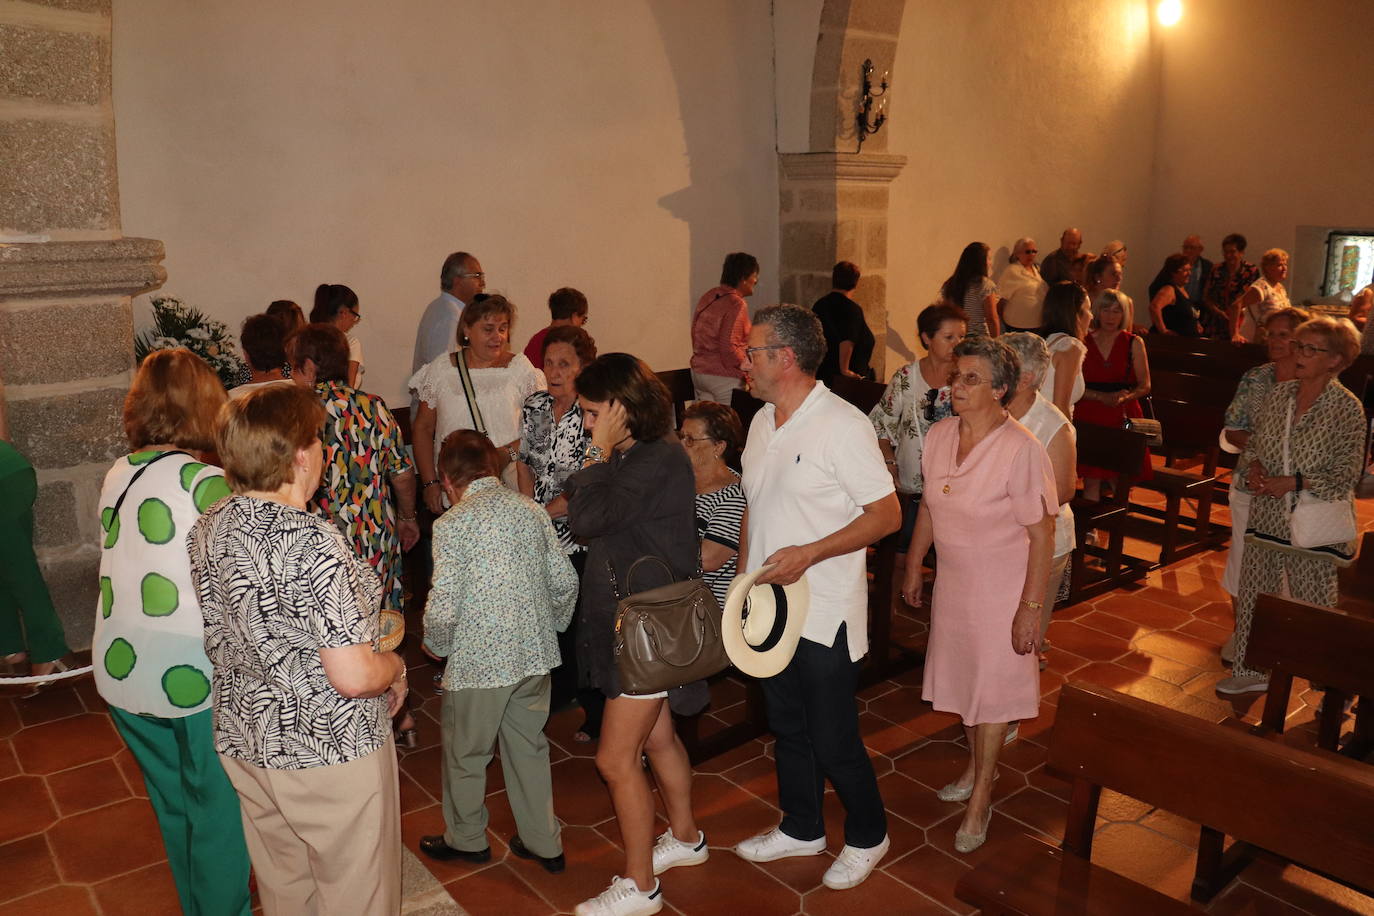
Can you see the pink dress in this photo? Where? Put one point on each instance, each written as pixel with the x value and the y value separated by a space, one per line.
pixel 979 510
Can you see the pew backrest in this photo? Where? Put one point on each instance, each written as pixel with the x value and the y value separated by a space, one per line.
pixel 1313 808
pixel 1324 645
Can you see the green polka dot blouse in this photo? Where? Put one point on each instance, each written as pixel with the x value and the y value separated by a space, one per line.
pixel 148 648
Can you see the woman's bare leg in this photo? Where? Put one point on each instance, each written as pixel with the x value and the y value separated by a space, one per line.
pixel 627 725
pixel 673 773
pixel 987 743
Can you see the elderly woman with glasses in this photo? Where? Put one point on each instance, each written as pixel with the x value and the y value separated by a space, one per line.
pixel 917 397
pixel 1265 295
pixel 1308 440
pixel 713 436
pixel 989 508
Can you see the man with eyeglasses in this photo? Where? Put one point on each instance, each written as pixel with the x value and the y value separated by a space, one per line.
pixel 460 279
pixel 818 494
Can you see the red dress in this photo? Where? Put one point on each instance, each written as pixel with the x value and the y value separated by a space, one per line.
pixel 1115 373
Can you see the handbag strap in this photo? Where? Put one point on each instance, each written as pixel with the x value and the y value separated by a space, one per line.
pixel 114 513
pixel 629 579
pixel 460 362
pixel 1287 460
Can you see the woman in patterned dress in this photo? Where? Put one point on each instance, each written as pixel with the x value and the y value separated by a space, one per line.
pixel 302 698
pixel 365 458
pixel 1265 295
pixel 552 442
pixel 1309 436
pixel 149 646
pixel 915 399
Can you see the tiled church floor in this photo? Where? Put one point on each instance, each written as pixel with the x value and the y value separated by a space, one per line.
pixel 77 835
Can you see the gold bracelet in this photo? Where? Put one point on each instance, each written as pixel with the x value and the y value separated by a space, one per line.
pixel 1033 605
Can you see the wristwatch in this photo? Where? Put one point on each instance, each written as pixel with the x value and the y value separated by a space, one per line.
pixel 594 453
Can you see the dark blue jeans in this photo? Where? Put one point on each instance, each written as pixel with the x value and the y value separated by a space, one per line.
pixel 815 719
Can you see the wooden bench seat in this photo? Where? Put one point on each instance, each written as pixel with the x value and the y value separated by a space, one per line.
pixel 1121 452
pixel 1312 808
pixel 1331 649
pixel 1026 874
pixel 1189 429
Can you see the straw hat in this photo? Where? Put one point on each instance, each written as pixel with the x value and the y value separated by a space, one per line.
pixel 762 624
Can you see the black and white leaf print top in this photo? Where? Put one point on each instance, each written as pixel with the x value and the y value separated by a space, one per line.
pixel 276 585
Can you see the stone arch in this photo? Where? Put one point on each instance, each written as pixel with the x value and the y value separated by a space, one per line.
pixel 833 200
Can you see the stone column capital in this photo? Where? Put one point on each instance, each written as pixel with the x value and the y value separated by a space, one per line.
pixel 878 168
pixel 112 267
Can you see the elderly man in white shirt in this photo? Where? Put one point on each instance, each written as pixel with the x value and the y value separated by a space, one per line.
pixel 460 279
pixel 818 494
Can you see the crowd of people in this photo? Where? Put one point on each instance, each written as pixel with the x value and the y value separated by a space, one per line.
pixel 253 542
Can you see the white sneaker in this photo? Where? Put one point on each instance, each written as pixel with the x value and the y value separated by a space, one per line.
pixel 622 898
pixel 853 865
pixel 670 852
pixel 773 845
pixel 1243 683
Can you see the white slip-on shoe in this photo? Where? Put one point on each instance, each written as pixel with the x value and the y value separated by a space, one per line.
pixel 774 845
pixel 623 898
pixel 670 852
pixel 853 865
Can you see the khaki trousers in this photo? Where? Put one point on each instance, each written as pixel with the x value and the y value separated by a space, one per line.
pixel 473 720
pixel 324 841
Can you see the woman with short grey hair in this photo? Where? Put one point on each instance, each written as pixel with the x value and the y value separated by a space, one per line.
pixel 1054 431
pixel 1001 360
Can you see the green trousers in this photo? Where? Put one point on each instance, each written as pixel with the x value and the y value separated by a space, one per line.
pixel 197 810
pixel 28 621
pixel 473 721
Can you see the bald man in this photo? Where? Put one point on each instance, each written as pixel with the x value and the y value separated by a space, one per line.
pixel 1057 264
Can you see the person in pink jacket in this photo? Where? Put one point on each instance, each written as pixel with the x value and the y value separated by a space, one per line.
pixel 720 330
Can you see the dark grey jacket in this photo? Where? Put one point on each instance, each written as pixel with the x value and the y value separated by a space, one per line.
pixel 640 503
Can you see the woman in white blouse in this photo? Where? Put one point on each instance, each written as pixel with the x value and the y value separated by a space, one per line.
pixel 501 380
pixel 1022 289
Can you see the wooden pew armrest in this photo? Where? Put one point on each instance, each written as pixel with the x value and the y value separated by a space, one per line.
pixel 1028 877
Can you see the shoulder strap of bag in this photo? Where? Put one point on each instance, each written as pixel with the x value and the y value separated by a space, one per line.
pixel 139 473
pixel 702 311
pixel 460 362
pixel 1287 432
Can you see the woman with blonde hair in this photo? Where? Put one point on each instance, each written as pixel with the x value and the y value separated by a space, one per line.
pixel 1265 295
pixel 1308 438
pixel 148 649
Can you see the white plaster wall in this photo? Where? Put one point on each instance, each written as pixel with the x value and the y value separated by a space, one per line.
pixel 1016 121
pixel 796 30
pixel 620 148
pixel 1266 125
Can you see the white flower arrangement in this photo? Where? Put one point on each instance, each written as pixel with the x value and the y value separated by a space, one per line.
pixel 176 324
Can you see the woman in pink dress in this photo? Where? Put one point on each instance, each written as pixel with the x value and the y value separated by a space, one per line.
pixel 989 507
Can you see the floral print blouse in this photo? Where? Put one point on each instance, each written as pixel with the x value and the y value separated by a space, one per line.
pixel 907 411
pixel 1253 388
pixel 363 451
pixel 552 451
pixel 503 588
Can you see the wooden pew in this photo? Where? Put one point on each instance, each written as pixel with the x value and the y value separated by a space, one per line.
pixel 1189 429
pixel 680 389
pixel 860 392
pixel 1191 388
pixel 1123 453
pixel 1326 646
pixel 1202 356
pixel 746 405
pixel 1312 808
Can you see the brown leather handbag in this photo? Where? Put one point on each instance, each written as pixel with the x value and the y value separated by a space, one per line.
pixel 667 636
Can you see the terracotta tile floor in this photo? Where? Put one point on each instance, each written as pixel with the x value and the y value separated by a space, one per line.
pixel 77 835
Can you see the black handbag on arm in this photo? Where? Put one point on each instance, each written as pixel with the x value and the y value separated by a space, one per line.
pixel 668 636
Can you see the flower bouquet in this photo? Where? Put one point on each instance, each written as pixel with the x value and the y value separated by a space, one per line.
pixel 176 324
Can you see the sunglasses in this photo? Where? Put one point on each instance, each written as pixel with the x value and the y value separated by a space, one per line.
pixel 928 404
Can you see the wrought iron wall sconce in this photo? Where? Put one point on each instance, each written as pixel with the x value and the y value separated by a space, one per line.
pixel 867 96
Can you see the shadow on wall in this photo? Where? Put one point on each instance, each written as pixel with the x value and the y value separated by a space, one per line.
pixel 698 51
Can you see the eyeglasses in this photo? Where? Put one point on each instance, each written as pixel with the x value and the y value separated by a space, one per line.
pixel 474 276
pixel 928 404
pixel 1309 350
pixel 686 438
pixel 1031 251
pixel 750 351
pixel 967 379
pixel 356 315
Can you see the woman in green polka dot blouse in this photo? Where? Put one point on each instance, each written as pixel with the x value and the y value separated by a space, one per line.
pixel 148 648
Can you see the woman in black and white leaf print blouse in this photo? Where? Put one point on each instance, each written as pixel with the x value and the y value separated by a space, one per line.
pixel 302 699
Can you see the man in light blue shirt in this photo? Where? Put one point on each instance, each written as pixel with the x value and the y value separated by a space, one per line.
pixel 460 279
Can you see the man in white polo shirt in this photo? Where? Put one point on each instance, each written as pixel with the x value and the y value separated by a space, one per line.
pixel 818 494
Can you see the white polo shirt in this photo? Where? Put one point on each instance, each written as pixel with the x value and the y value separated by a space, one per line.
pixel 805 481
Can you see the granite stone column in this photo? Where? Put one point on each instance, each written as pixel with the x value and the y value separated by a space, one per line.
pixel 67 276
